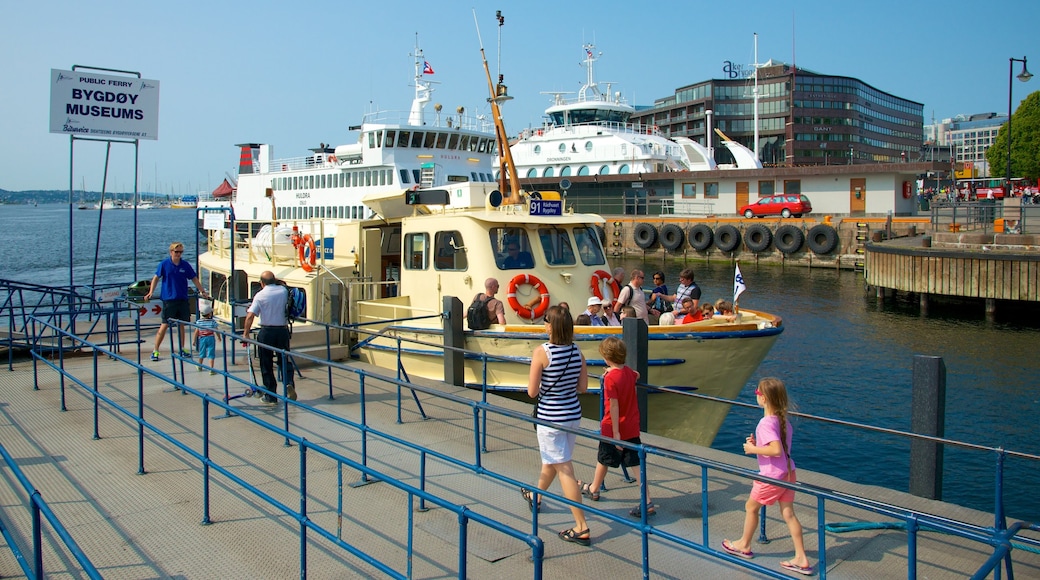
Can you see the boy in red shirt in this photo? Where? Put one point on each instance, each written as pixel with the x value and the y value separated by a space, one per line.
pixel 620 420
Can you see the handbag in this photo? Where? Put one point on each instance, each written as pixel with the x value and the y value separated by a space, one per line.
pixel 538 399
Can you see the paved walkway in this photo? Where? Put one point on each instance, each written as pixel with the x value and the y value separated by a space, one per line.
pixel 149 526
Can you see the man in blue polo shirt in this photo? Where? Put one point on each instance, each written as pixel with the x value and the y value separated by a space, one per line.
pixel 174 273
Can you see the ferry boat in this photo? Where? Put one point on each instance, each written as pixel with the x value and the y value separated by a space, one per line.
pixel 591 135
pixel 390 269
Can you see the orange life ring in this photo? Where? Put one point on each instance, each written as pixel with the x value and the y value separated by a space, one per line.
pixel 523 311
pixel 332 159
pixel 595 284
pixel 303 245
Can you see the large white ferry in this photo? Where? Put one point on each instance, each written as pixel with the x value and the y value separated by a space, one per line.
pixel 591 135
pixel 390 271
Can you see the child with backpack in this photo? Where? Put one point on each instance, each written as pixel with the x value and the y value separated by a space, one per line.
pixel 205 338
pixel 620 421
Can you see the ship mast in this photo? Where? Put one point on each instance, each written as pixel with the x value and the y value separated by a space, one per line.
pixel 508 180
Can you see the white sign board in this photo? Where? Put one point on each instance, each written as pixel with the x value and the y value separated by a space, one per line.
pixel 212 220
pixel 96 105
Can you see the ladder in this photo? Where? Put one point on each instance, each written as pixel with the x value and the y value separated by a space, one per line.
pixel 426 175
pixel 862 235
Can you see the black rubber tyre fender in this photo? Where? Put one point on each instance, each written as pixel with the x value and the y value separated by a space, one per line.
pixel 758 238
pixel 700 237
pixel 672 237
pixel 727 238
pixel 822 239
pixel 602 233
pixel 788 239
pixel 645 235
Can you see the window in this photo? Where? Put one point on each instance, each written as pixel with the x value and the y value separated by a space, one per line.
pixel 604 170
pixel 512 248
pixel 556 245
pixel 566 171
pixel 537 149
pixel 548 172
pixel 589 248
pixel 689 190
pixel 563 147
pixel 711 190
pixel 623 170
pixel 583 170
pixel 793 186
pixel 403 137
pixel 404 176
pixel 532 172
pixel 451 252
pixel 588 146
pixel 416 250
pixel 766 188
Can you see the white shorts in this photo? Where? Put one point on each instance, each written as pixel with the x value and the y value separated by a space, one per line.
pixel 557 446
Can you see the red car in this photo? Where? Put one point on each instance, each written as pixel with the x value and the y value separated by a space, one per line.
pixel 785 205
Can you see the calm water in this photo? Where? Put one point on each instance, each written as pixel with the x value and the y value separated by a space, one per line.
pixel 841 355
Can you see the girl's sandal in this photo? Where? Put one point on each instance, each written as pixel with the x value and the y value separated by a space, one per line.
pixel 529 496
pixel 582 538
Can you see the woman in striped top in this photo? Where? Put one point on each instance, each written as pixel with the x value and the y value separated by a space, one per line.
pixel 558 375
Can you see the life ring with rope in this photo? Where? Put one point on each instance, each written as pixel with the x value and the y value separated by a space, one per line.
pixel 305 244
pixel 332 159
pixel 524 311
pixel 596 284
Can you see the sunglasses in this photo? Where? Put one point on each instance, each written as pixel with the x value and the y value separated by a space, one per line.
pixel 178 251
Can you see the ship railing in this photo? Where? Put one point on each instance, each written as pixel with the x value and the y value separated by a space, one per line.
pixel 435 121
pixel 666 464
pixel 1007 216
pixel 614 126
pixel 40 511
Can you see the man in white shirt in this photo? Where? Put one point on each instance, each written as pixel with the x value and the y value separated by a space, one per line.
pixel 632 295
pixel 269 305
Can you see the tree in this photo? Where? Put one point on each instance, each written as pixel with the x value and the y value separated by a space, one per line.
pixel 1025 146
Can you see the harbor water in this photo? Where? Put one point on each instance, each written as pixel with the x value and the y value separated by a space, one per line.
pixel 842 355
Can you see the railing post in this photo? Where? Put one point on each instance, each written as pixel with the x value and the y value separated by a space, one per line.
pixel 634 333
pixel 454 342
pixel 928 415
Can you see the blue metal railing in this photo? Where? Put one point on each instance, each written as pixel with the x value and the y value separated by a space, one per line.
pixel 913 520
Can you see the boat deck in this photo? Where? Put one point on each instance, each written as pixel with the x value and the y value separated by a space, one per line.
pixel 150 525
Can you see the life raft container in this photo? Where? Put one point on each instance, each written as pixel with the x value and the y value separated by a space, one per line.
pixel 700 237
pixel 597 287
pixel 305 251
pixel 672 237
pixel 521 310
pixel 788 239
pixel 758 238
pixel 727 238
pixel 822 239
pixel 645 235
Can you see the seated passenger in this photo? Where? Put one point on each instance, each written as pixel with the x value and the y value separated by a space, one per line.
pixel 693 314
pixel 517 259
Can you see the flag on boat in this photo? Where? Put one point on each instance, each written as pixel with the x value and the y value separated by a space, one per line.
pixel 426 68
pixel 588 52
pixel 738 284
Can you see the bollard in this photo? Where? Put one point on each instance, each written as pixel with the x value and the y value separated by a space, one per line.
pixel 634 333
pixel 928 416
pixel 926 241
pixel 454 373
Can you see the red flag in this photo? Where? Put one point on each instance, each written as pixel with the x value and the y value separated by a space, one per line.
pixel 427 69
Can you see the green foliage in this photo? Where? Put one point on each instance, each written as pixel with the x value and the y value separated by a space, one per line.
pixel 1025 145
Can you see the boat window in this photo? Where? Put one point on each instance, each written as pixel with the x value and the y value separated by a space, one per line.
pixel 402 138
pixel 588 145
pixel 442 140
pixel 604 170
pixel 512 248
pixel 353 179
pixel 417 138
pixel 556 246
pixel 453 143
pixel 389 141
pixel 532 172
pixel 473 176
pixel 294 183
pixel 563 147
pixel 583 170
pixel 379 137
pixel 548 172
pixel 415 175
pixel 537 149
pixel 451 252
pixel 482 145
pixel 321 181
pixel 404 176
pixel 589 248
pixel 416 249
pixel 473 143
pixel 566 171
pixel 464 143
pixel 431 138
pixel 353 212
pixel 368 178
pixel 382 177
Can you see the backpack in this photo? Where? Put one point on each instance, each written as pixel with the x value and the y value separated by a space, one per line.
pixel 477 315
pixel 295 305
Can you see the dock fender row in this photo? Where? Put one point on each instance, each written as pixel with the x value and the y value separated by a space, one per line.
pixel 822 239
pixel 727 238
pixel 645 235
pixel 596 284
pixel 521 310
pixel 700 237
pixel 788 239
pixel 758 238
pixel 672 237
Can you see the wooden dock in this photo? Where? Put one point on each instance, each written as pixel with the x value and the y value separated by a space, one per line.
pixel 990 267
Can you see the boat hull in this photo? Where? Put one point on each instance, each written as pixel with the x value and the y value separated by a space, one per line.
pixel 684 358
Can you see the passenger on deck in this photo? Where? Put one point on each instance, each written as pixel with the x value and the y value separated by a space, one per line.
pixel 516 259
pixel 632 295
pixel 595 306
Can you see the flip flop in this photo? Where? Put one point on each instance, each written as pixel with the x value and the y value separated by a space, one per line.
pixel 805 570
pixel 739 553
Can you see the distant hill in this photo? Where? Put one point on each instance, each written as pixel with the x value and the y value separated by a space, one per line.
pixel 78 196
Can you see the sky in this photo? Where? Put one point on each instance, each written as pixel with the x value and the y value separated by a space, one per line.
pixel 294 75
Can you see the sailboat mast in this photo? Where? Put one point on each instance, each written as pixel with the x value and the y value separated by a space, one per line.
pixel 508 180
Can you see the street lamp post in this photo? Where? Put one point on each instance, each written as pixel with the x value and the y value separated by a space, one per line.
pixel 1023 76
